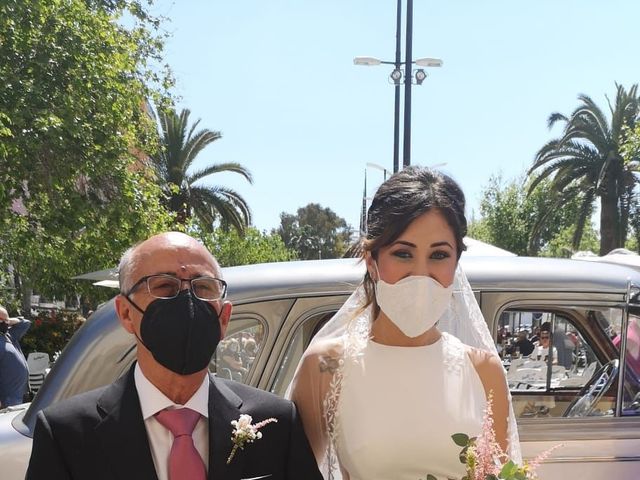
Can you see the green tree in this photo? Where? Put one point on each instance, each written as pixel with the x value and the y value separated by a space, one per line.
pixel 230 248
pixel 561 245
pixel 510 217
pixel 73 189
pixel 631 155
pixel 48 246
pixel 587 162
pixel 315 232
pixel 180 145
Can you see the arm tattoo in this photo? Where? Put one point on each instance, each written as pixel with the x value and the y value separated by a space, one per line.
pixel 328 364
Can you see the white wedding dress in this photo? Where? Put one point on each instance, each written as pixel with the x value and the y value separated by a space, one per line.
pixel 399 406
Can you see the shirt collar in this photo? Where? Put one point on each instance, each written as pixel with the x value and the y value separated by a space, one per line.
pixel 152 400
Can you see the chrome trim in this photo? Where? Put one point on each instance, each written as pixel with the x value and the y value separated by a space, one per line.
pixel 609 459
pixel 622 349
pixel 559 429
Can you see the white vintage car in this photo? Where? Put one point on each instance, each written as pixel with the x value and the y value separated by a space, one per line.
pixel 585 395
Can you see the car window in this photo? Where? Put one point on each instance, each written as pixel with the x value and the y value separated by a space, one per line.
pixel 296 347
pixel 237 353
pixel 551 362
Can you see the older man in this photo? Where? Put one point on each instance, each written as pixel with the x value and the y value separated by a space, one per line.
pixel 14 373
pixel 167 418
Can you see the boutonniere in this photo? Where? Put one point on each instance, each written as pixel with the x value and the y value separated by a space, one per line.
pixel 245 432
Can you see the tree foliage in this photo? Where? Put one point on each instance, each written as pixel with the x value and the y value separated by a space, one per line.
pixel 586 162
pixel 230 248
pixel 510 217
pixel 314 232
pixel 73 186
pixel 561 245
pixel 180 145
pixel 631 156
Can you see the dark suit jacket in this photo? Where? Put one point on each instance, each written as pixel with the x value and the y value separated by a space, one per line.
pixel 101 435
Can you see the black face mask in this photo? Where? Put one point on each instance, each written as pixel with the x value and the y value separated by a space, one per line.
pixel 182 333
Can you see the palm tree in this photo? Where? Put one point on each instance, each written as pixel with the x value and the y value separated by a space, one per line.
pixel 586 163
pixel 179 147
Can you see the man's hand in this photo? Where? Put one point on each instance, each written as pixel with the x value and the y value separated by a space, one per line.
pixel 4 317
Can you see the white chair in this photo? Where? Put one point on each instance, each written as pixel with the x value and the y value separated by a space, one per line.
pixel 540 364
pixel 38 364
pixel 35 381
pixel 528 377
pixel 558 372
pixel 590 370
pixel 517 363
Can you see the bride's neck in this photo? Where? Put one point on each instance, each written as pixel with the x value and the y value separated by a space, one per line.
pixel 385 332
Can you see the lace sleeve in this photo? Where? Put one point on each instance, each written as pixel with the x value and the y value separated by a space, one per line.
pixel 312 388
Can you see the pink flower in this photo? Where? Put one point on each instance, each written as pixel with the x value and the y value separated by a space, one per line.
pixel 535 463
pixel 484 458
pixel 486 450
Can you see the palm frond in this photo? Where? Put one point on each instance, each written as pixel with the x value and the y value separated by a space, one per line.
pixel 218 168
pixel 195 144
pixel 584 213
pixel 554 118
pixel 181 142
pixel 229 206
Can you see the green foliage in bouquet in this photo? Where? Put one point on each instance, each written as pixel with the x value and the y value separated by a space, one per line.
pixel 479 465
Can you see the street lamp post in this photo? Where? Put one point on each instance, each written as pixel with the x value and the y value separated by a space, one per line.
pixel 409 78
pixel 396 106
pixel 406 157
pixel 377 167
pixel 366 198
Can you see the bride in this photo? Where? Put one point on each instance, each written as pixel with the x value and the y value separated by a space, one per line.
pixel 408 361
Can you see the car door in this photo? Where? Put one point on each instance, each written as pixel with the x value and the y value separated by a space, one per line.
pixel 568 393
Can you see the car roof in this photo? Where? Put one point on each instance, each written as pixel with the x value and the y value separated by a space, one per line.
pixel 341 276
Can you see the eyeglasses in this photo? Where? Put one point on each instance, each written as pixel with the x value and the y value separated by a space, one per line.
pixel 544 337
pixel 167 287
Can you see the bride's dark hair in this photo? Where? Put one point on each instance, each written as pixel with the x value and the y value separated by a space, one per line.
pixel 405 196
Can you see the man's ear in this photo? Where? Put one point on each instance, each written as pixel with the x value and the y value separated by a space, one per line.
pixel 224 317
pixel 124 311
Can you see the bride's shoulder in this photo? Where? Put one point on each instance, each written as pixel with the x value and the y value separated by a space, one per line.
pixel 482 359
pixel 490 371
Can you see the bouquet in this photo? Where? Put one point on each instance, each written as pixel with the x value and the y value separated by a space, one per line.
pixel 484 459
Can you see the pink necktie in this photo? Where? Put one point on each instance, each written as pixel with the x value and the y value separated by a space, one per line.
pixel 184 459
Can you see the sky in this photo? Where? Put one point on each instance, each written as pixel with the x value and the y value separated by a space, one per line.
pixel 277 78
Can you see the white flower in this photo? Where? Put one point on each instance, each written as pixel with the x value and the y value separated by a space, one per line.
pixel 245 432
pixel 243 422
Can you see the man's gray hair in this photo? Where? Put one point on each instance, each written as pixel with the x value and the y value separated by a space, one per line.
pixel 125 267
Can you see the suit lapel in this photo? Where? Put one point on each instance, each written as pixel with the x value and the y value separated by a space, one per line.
pixel 122 431
pixel 224 406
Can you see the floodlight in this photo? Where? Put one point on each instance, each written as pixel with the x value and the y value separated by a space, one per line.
pixel 428 62
pixel 396 76
pixel 368 61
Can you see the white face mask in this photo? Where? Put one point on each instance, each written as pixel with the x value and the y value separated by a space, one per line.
pixel 414 304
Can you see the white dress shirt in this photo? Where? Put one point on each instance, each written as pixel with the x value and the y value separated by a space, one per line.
pixel 541 353
pixel 152 401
